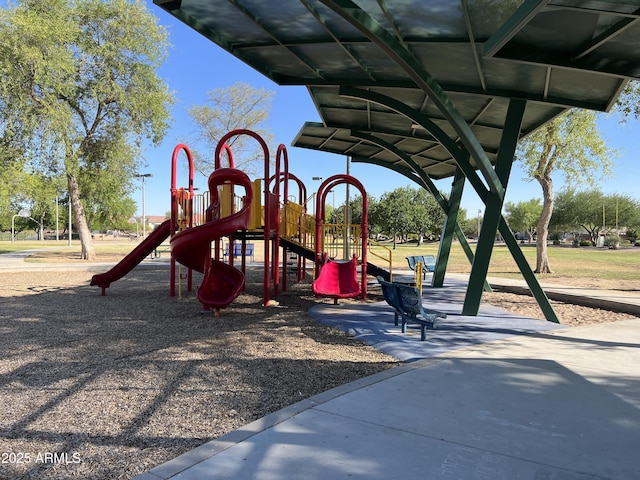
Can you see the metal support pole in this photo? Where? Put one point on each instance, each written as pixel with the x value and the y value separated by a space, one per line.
pixel 143 176
pixel 448 229
pixel 493 211
pixel 57 217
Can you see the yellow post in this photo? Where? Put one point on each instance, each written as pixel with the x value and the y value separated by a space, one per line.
pixel 418 275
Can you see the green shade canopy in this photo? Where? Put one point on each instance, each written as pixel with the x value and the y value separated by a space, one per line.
pixel 435 88
pixel 554 54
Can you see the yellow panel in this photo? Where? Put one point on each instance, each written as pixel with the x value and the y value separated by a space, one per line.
pixel 256 220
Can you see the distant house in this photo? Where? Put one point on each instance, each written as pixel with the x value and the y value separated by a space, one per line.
pixel 154 220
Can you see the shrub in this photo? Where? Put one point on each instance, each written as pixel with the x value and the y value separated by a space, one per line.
pixel 612 241
pixel 585 243
pixel 556 238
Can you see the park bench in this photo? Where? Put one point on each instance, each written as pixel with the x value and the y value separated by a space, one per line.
pixel 406 301
pixel 428 263
pixel 237 250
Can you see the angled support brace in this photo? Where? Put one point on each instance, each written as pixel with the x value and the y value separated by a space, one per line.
pixel 450 226
pixel 425 182
pixel 459 155
pixel 492 214
pixel 472 302
pixel 390 45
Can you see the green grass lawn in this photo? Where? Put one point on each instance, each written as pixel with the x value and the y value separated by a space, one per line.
pixel 583 262
pixel 119 247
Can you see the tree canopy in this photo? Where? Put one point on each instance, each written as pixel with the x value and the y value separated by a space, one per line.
pixel 79 94
pixel 571 145
pixel 238 106
pixel 596 213
pixel 406 211
pixel 523 216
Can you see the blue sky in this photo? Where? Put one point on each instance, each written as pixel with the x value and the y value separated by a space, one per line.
pixel 196 65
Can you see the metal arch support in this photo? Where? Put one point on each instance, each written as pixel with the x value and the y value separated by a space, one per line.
pixel 492 214
pixel 361 20
pixel 450 208
pixel 446 237
pixel 513 25
pixel 460 156
pixel 472 302
pixel 494 221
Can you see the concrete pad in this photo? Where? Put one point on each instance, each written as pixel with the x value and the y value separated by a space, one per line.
pixel 491 397
pixel 491 411
pixel 374 324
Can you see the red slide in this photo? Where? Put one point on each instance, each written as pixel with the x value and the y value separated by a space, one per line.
pixel 337 280
pixel 222 283
pixel 138 254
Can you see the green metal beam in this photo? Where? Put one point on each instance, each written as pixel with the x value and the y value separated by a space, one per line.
pixel 451 223
pixel 451 226
pixel 492 214
pixel 601 39
pixel 390 45
pixel 530 277
pixel 460 156
pixel 513 25
pixel 503 169
pixel 427 182
pixel 504 230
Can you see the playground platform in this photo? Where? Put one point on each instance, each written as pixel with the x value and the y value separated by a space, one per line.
pixel 482 398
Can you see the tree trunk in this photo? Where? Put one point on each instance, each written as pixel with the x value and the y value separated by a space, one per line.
pixel 542 257
pixel 88 252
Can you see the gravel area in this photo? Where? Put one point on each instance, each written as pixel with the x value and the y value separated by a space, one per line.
pixel 107 387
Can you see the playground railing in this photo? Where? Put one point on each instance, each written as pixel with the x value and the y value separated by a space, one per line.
pixel 383 253
pixel 342 240
pixel 298 226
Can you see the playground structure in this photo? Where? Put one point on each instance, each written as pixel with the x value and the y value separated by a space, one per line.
pixel 338 279
pixel 205 228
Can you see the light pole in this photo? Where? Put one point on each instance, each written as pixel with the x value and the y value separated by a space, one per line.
pixel 315 179
pixel 70 221
pixel 143 176
pixel 57 217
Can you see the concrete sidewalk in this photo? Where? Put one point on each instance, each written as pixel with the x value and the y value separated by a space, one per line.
pixel 487 397
pixel 15 262
pixel 557 405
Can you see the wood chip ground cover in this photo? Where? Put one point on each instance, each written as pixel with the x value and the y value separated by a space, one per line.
pixel 109 387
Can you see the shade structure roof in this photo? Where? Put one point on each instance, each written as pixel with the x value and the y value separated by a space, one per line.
pixel 476 55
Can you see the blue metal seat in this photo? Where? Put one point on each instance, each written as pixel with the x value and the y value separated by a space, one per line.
pixel 407 304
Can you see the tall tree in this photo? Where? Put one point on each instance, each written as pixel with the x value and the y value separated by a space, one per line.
pixel 596 213
pixel 523 216
pixel 79 76
pixel 393 213
pixel 628 103
pixel 428 216
pixel 570 145
pixel 239 106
